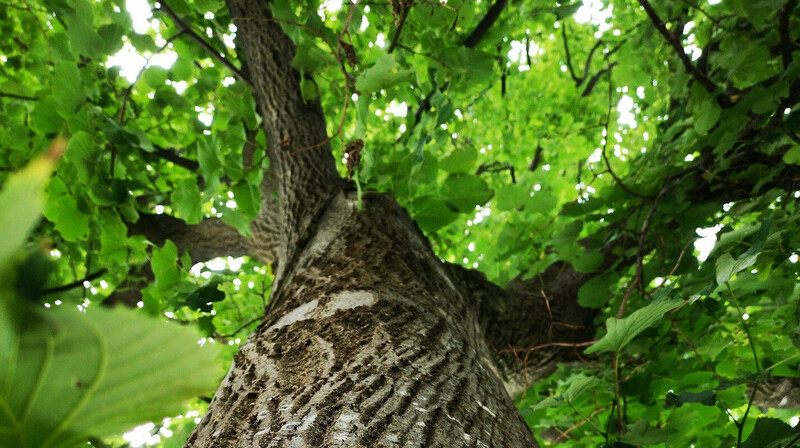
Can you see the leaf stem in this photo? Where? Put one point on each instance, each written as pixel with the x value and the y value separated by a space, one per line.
pixel 744 325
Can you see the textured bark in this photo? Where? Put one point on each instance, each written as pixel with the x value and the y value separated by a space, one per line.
pixel 371 342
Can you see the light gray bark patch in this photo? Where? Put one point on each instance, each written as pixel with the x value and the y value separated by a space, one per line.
pixel 345 300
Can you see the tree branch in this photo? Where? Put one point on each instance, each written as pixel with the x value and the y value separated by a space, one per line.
pixel 483 26
pixel 675 41
pixel 170 156
pixel 399 29
pixel 185 27
pixel 18 97
pixel 569 58
pixel 787 43
pixel 75 284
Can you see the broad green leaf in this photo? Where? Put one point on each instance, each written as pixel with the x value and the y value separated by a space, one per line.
pixel 588 262
pixel 576 387
pixel 382 75
pixel 210 165
pixel 792 155
pixel 186 201
pixel 248 199
pixel 460 160
pixel 706 116
pixel 432 212
pixel 203 298
pixel 70 221
pixel 45 117
pixel 83 37
pixel 465 191
pixel 67 88
pixel 727 267
pixel 21 201
pixel 97 374
pixel 164 263
pixel 771 433
pixel 642 434
pixel 511 197
pixel 113 238
pixel 595 293
pixel 621 331
pixel 82 152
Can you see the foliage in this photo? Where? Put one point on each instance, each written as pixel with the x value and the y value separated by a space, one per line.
pixel 67 374
pixel 551 136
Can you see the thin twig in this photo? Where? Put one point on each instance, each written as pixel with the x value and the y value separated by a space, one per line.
pixel 694 349
pixel 127 93
pixel 18 97
pixel 205 45
pixel 75 284
pixel 675 41
pixel 608 136
pixel 640 252
pixel 224 337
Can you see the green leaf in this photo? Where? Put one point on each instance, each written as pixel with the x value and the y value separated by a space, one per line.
pixel 588 262
pixel 21 203
pixel 67 88
pixel 511 197
pixel 465 191
pixel 595 293
pixel 566 11
pixel 186 200
pixel 577 386
pixel 792 156
pixel 382 75
pixel 709 397
pixel 82 35
pixel 771 433
pixel 248 199
pixel 45 117
pixel 210 165
pixel 432 213
pixel 164 263
pixel 98 373
pixel 727 267
pixel 70 221
pixel 461 160
pixel 113 238
pixel 622 331
pixel 203 298
pixel 706 115
pixel 82 152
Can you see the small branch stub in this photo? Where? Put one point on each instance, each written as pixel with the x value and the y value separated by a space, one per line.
pixel 353 152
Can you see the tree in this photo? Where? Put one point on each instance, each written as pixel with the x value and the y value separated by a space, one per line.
pixel 466 224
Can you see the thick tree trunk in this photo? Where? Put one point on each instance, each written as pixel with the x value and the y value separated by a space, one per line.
pixel 369 339
pixel 370 342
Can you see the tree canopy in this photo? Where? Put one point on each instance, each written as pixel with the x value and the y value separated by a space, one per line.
pixel 651 147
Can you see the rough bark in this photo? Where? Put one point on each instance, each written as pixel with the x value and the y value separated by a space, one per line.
pixel 369 339
pixel 371 343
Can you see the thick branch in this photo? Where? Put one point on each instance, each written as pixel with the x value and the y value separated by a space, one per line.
pixel 305 179
pixel 532 325
pixel 209 239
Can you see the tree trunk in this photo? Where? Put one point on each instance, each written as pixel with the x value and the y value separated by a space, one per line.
pixel 369 338
pixel 369 342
